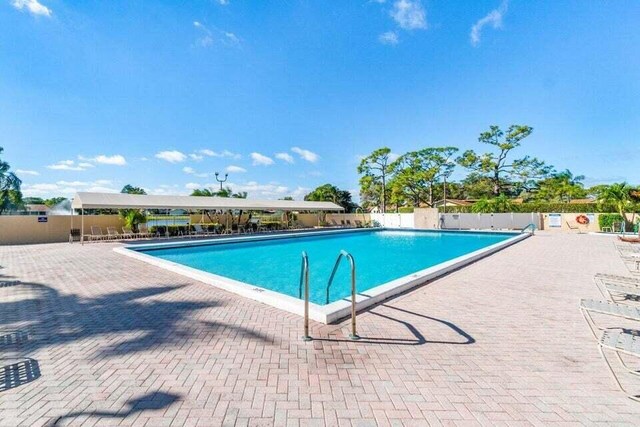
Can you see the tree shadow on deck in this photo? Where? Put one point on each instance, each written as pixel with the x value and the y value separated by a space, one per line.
pixel 130 321
pixel 152 401
pixel 19 373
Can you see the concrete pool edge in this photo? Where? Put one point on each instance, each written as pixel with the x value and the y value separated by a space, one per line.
pixel 329 313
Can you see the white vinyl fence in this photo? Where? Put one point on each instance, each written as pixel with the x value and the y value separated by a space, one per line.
pixel 488 221
pixel 394 220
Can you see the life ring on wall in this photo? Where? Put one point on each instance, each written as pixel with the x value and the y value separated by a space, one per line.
pixel 582 219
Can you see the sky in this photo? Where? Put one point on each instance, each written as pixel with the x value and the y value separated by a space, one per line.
pixel 286 95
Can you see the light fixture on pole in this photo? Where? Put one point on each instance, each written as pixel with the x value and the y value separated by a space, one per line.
pixel 221 180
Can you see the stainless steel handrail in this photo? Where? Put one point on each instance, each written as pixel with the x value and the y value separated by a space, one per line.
pixel 304 279
pixel 532 226
pixel 347 255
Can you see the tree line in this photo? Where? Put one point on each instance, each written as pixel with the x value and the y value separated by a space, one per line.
pixel 494 179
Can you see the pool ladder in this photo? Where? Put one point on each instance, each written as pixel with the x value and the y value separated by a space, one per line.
pixel 531 226
pixel 304 281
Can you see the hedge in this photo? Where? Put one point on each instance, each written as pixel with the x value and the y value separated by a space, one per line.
pixel 607 220
pixel 545 207
pixel 405 209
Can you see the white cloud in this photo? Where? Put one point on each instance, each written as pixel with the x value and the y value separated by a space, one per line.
pixel 231 38
pixel 409 14
pixel 223 153
pixel 196 157
pixel 172 156
pixel 67 188
pixel 307 155
pixel 34 7
pixel 191 171
pixel 192 186
pixel 116 159
pixel 99 189
pixel 261 160
pixel 26 172
pixel 223 2
pixel 285 157
pixel 168 190
pixel 235 169
pixel 70 165
pixel 208 37
pixel 390 38
pixel 265 191
pixel 493 18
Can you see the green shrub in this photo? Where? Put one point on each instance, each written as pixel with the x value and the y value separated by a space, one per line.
pixel 545 208
pixel 607 219
pixel 406 209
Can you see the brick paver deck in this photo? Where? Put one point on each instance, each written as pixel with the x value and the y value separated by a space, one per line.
pixel 97 338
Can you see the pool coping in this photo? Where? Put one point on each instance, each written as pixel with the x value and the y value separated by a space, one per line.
pixel 329 313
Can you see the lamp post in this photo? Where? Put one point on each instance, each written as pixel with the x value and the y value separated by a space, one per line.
pixel 221 180
pixel 444 187
pixel 444 191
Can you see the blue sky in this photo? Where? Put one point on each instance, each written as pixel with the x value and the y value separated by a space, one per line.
pixel 287 94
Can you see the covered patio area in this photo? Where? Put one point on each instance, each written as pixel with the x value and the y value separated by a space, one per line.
pixel 282 213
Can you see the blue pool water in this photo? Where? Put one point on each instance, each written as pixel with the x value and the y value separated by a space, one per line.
pixel 380 255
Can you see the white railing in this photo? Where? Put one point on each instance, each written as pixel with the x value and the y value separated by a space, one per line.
pixel 394 220
pixel 488 221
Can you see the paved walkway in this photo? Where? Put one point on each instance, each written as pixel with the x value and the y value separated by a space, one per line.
pixel 96 338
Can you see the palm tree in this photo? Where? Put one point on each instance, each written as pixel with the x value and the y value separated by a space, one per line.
pixel 9 186
pixel 618 195
pixel 133 217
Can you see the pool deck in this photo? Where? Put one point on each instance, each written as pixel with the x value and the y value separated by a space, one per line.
pixel 103 339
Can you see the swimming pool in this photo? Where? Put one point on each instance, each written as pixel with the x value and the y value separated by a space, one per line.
pixel 267 268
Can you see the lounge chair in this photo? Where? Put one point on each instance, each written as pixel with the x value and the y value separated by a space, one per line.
pixel 334 223
pixel 358 223
pixel 127 233
pixel 112 233
pixel 204 230
pixel 143 231
pixel 96 233
pixel 589 306
pixel 574 227
pixel 349 223
pixel 253 225
pixel 74 235
pixel 619 291
pixel 617 278
pixel 621 342
pixel 635 259
pixel 198 230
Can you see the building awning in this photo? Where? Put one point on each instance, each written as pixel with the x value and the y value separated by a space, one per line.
pixel 85 200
